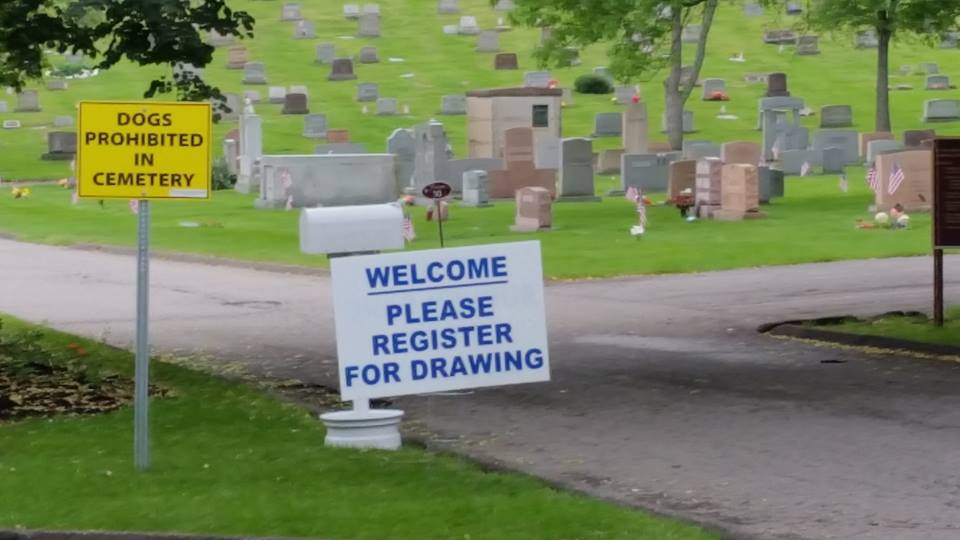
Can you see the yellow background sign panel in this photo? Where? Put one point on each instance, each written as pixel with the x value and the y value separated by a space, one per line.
pixel 143 150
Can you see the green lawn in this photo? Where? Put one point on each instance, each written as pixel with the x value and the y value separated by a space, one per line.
pixel 814 222
pixel 228 459
pixel 915 328
pixel 443 64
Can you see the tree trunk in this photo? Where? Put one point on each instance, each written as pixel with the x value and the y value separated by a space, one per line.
pixel 883 76
pixel 674 101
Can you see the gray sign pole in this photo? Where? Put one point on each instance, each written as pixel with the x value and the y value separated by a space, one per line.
pixel 141 400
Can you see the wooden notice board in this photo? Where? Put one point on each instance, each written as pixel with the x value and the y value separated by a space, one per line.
pixel 946 193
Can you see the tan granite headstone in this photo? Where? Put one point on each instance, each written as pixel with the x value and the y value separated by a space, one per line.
pixel 743 152
pixel 866 138
pixel 338 135
pixel 707 192
pixel 683 175
pixel 658 147
pixel 739 192
pixel 634 132
pixel 609 161
pixel 534 211
pixel 916 191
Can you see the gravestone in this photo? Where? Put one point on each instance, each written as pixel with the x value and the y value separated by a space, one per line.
pixel 304 30
pixel 62 121
pixel 233 107
pixel 608 124
pixel 254 73
pixel 56 85
pixel 706 193
pixel 368 92
pixel 833 160
pixel 315 126
pixel 634 129
pixel 866 138
pixel 779 119
pixel 368 55
pixel 808 45
pixel 792 161
pixel 646 172
pixel 371 8
pixel 848 141
pixel 475 193
pixel 341 70
pixel 752 9
pixel 603 71
pixel 682 176
pixel 295 103
pixel 351 11
pixel 546 152
pixel 276 94
pixel 3 106
pixel 608 161
pixel 836 116
pixel 237 57
pixel 777 85
pixel 369 25
pixel 546 34
pixel 402 144
pixel 338 135
pixel 468 26
pixel 929 68
pixel 687 122
pixel 691 33
pixel 504 5
pixel 521 171
pixel 250 151
pixel 700 149
pixel 875 148
pixel 941 110
pixel 488 41
pixel 11 124
pixel 216 39
pixel 61 146
pixel 744 152
pixel 794 8
pixel 448 7
pixel 28 101
pixel 739 192
pixel 453 104
pixel 576 170
pixel 326 53
pixel 386 106
pixel 290 12
pixel 916 191
pixel 623 94
pixel 340 148
pixel 231 155
pixel 779 37
pixel 867 39
pixel 505 61
pixel 710 86
pixel 534 212
pixel 915 137
pixel 949 40
pixel 536 79
pixel 938 82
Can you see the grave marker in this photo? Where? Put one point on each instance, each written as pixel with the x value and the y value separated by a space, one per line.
pixel 505 61
pixel 534 210
pixel 341 70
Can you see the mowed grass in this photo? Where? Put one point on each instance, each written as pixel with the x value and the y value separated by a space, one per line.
pixel 814 222
pixel 228 459
pixel 912 328
pixel 443 64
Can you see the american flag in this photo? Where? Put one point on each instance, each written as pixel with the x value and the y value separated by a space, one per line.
pixel 843 183
pixel 632 194
pixel 642 211
pixel 805 169
pixel 135 206
pixel 408 232
pixel 873 178
pixel 896 178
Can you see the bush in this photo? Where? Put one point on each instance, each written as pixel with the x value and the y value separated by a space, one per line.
pixel 222 178
pixel 593 84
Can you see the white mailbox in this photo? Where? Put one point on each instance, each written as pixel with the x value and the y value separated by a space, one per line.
pixel 351 229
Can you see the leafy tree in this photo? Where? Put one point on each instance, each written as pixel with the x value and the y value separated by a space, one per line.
pixel 146 32
pixel 888 18
pixel 643 37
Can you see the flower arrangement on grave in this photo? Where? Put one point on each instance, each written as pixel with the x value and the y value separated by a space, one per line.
pixel 20 193
pixel 684 201
pixel 896 218
pixel 718 95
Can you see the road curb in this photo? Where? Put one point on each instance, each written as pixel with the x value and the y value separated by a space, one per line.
pixel 7 534
pixel 798 329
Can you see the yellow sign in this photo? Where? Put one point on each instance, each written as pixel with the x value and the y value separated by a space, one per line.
pixel 143 150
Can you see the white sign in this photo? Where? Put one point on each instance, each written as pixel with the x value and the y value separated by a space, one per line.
pixel 429 321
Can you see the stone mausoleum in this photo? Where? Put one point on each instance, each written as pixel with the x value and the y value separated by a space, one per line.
pixel 490 113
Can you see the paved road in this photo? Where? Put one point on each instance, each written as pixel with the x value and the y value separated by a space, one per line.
pixel 663 394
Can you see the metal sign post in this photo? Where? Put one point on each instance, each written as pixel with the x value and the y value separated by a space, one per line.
pixel 141 399
pixel 946 212
pixel 437 191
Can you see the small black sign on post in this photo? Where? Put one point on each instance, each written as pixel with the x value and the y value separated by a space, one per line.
pixel 946 212
pixel 438 191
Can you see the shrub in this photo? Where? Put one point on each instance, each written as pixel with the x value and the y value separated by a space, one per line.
pixel 222 177
pixel 593 84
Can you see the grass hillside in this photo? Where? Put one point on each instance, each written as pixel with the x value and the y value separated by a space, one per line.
pixel 443 64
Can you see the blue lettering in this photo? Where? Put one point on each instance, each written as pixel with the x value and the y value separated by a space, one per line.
pixel 500 266
pixel 467 309
pixel 513 360
pixel 449 338
pixel 458 368
pixel 484 332
pixel 393 311
pixel 480 362
pixel 414 277
pixel 433 272
pixel 391 372
pixel 351 373
pixel 419 341
pixel 429 310
pixel 371 374
pixel 400 276
pixel 477 268
pixel 438 365
pixel 380 345
pixel 503 333
pixel 534 359
pixel 399 343
pixel 455 270
pixel 418 370
pixel 378 277
pixel 486 306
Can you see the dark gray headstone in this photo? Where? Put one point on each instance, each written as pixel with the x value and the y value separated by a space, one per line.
pixel 341 70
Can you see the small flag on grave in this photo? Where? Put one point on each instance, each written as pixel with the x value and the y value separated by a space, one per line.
pixel 896 179
pixel 843 183
pixel 873 178
pixel 805 169
pixel 408 233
